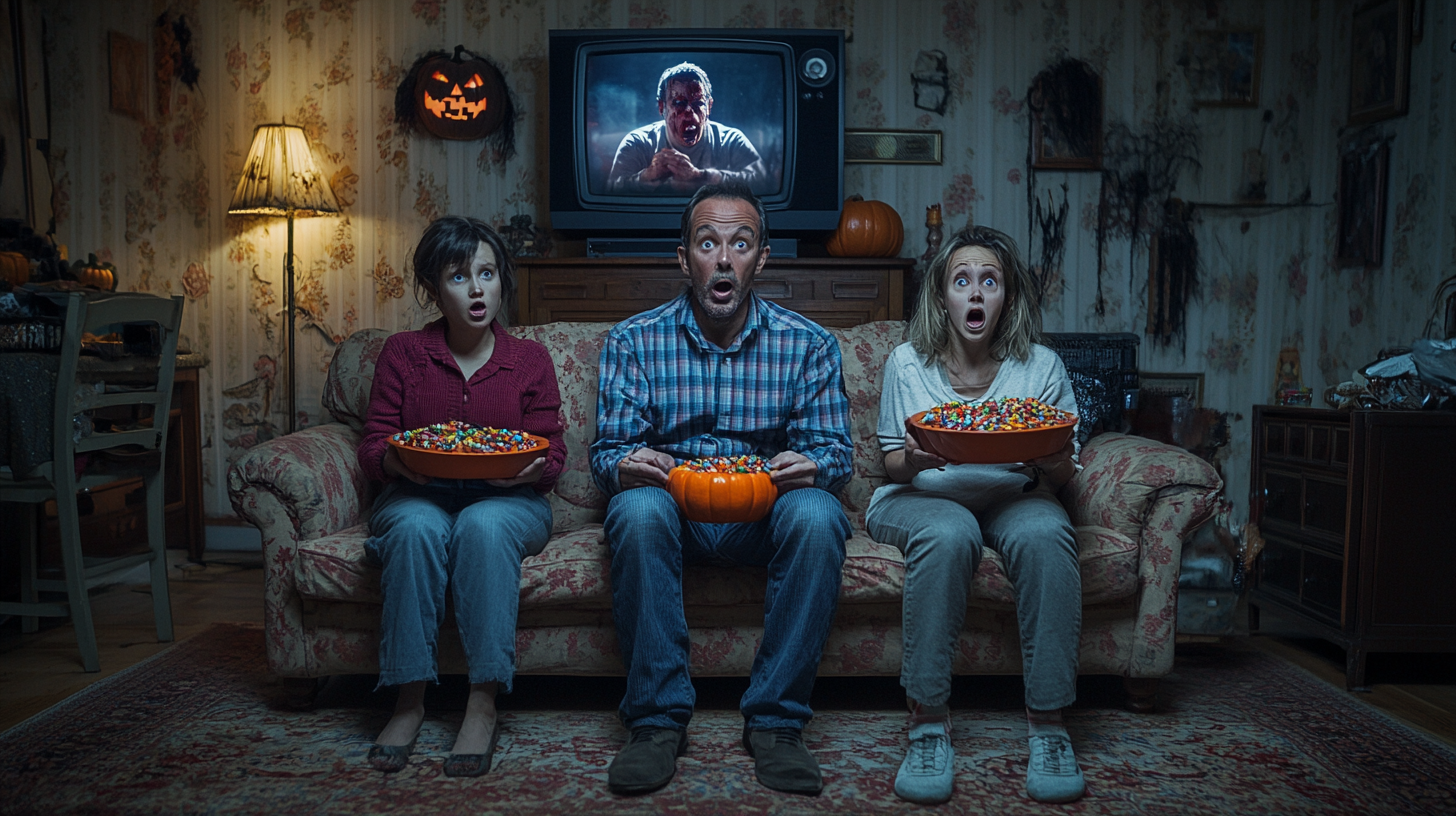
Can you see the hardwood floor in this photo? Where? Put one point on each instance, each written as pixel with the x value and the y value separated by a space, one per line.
pixel 39 670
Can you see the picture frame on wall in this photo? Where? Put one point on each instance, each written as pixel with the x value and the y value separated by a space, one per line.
pixel 879 146
pixel 128 63
pixel 1054 149
pixel 1189 386
pixel 1223 67
pixel 1380 45
pixel 1364 171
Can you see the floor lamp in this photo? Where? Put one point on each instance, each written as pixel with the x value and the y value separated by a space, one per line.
pixel 281 178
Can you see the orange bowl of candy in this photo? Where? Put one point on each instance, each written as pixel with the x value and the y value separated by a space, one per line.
pixel 723 489
pixel 992 432
pixel 458 450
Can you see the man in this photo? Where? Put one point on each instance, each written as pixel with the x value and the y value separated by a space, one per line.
pixel 684 151
pixel 719 371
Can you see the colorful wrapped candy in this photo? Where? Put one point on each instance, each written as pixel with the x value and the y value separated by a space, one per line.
pixel 462 437
pixel 729 464
pixel 1009 414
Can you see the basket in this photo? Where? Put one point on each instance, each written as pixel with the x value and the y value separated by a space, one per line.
pixel 1104 374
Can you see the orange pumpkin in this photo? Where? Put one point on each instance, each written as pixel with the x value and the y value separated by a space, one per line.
pixel 92 272
pixel 14 268
pixel 722 498
pixel 867 229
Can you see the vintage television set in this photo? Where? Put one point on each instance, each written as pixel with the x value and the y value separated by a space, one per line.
pixel 780 91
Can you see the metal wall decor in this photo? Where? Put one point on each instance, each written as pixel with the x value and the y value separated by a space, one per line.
pixel 892 146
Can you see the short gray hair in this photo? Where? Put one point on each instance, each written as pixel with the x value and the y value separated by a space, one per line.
pixel 683 70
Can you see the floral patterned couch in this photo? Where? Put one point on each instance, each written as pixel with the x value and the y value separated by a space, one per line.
pixel 1133 504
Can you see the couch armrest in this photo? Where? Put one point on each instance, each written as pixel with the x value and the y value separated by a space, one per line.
pixel 1157 495
pixel 315 476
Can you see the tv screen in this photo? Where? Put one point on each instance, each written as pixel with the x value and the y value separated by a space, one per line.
pixel 641 119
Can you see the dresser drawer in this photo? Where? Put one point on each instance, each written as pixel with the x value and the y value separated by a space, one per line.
pixel 1308 505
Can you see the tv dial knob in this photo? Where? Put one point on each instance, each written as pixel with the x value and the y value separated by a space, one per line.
pixel 815 68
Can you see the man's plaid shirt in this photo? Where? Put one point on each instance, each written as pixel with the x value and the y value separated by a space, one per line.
pixel 779 387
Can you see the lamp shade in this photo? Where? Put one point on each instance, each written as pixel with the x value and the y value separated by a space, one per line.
pixel 280 176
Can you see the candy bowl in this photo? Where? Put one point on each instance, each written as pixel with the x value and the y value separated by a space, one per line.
pixel 970 445
pixel 451 458
pixel 723 490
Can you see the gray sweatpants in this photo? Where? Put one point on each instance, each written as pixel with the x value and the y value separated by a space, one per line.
pixel 941 540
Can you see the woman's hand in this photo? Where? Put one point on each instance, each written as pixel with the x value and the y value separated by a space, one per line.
pixel 792 470
pixel 1058 467
pixel 644 467
pixel 394 465
pixel 902 465
pixel 529 474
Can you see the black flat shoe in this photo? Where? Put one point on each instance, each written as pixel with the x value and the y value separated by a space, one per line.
pixel 391 758
pixel 474 764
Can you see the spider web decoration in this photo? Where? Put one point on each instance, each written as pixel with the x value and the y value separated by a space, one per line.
pixel 1139 174
pixel 1067 95
pixel 1173 275
pixel 1051 226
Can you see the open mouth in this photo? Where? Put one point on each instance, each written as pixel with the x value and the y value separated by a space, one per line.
pixel 477 309
pixel 722 291
pixel 976 318
pixel 690 133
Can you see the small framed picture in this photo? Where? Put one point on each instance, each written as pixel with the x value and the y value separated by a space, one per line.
pixel 128 58
pixel 1361 237
pixel 1189 386
pixel 1223 66
pixel 892 146
pixel 1380 44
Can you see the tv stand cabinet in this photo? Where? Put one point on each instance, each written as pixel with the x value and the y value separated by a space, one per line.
pixel 838 292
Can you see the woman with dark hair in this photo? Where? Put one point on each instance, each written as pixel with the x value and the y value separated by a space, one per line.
pixel 973 339
pixel 469 534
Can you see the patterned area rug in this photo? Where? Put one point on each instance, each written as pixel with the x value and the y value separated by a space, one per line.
pixel 200 728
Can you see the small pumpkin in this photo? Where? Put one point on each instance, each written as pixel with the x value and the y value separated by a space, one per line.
pixel 867 229
pixel 92 272
pixel 14 268
pixel 722 498
pixel 458 98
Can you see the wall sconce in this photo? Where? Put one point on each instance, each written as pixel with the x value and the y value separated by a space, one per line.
pixel 281 178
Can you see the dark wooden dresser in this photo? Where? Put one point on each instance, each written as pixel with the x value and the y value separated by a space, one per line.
pixel 1358 514
pixel 831 291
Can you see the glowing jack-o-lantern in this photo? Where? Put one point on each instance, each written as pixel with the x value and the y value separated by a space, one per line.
pixel 458 98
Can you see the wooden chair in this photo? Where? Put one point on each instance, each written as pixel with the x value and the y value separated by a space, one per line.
pixel 138 449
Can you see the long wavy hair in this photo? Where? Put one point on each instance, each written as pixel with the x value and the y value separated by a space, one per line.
pixel 1020 323
pixel 449 243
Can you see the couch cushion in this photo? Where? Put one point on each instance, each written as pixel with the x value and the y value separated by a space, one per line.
pixel 351 375
pixel 865 349
pixel 573 572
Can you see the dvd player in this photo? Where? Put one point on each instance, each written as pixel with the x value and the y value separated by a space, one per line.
pixel 667 247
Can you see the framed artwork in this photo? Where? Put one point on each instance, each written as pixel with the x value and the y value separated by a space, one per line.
pixel 1223 67
pixel 128 58
pixel 1189 386
pixel 1066 142
pixel 1363 178
pixel 1380 44
pixel 892 146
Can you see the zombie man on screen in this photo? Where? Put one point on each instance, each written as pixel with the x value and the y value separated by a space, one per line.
pixel 684 151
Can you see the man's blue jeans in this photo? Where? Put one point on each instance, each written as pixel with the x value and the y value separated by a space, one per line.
pixel 801 542
pixel 472 536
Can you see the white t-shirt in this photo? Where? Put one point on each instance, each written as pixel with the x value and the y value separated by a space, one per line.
pixel 722 148
pixel 911 386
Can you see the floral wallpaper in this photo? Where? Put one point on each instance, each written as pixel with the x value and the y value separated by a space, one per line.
pixel 152 196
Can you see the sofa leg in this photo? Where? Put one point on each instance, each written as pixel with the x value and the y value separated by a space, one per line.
pixel 1142 694
pixel 300 693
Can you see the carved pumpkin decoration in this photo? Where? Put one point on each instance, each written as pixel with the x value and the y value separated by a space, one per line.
pixel 867 229
pixel 92 272
pixel 722 498
pixel 458 98
pixel 14 268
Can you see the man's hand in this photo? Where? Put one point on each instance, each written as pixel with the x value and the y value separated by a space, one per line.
pixel 792 470
pixel 529 474
pixel 644 467
pixel 392 464
pixel 668 163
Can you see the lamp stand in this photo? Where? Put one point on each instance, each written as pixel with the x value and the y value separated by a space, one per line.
pixel 288 307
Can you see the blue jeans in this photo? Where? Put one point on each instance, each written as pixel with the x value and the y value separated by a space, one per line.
pixel 472 536
pixel 801 542
pixel 941 540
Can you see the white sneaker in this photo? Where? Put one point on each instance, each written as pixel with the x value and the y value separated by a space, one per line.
pixel 1052 774
pixel 928 771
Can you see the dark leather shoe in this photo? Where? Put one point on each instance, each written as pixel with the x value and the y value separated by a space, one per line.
pixel 474 764
pixel 781 761
pixel 391 758
pixel 647 761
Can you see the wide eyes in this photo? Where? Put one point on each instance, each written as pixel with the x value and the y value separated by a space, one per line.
pixel 989 281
